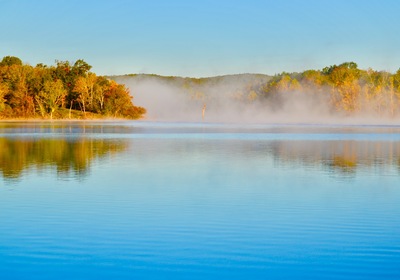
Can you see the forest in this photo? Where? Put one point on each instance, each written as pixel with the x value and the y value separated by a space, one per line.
pixel 64 91
pixel 70 91
pixel 343 91
pixel 346 89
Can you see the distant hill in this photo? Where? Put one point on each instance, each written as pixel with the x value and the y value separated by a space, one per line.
pixel 236 82
pixel 171 98
pixel 336 93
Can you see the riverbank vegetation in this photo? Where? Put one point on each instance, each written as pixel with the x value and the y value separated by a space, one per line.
pixel 66 90
pixel 337 91
pixel 345 88
pixel 70 91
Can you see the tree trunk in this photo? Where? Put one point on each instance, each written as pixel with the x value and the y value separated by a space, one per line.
pixel 70 108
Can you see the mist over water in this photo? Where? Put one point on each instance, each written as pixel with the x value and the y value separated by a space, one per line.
pixel 228 99
pixel 175 102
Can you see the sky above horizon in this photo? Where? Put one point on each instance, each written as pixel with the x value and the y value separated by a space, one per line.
pixel 203 38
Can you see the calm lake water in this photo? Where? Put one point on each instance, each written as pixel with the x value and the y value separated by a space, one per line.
pixel 142 200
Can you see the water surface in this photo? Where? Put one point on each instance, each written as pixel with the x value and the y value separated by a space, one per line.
pixel 140 200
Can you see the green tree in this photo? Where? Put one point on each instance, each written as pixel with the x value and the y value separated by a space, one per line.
pixel 10 60
pixel 51 96
pixel 100 89
pixel 81 68
pixel 344 80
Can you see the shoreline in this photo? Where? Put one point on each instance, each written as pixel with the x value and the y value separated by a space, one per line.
pixel 66 120
pixel 211 123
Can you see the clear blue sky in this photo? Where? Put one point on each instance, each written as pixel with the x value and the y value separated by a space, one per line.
pixel 203 37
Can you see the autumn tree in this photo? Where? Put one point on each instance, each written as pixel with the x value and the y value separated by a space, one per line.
pixel 51 96
pixel 19 99
pixel 82 89
pixel 345 87
pixel 99 91
pixel 396 88
pixel 118 103
pixel 3 92
pixel 27 91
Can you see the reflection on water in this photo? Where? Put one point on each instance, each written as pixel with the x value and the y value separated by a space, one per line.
pixel 70 157
pixel 342 156
pixel 71 147
pixel 198 201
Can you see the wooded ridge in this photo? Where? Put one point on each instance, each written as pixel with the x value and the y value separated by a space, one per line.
pixel 342 89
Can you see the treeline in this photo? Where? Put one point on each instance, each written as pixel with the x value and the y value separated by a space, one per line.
pixel 66 90
pixel 343 90
pixel 345 87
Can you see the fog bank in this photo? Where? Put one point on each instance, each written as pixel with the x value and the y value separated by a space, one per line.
pixel 234 99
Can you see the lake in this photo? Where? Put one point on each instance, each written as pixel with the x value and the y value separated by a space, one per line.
pixel 147 200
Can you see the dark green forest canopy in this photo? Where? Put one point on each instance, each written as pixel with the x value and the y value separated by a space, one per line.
pixel 64 90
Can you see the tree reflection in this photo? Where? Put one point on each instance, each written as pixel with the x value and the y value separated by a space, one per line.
pixel 66 155
pixel 339 156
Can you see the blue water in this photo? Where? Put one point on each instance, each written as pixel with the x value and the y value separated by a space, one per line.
pixel 140 200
